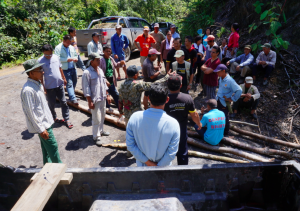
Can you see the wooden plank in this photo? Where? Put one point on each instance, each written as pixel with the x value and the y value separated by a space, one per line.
pixel 65 180
pixel 39 191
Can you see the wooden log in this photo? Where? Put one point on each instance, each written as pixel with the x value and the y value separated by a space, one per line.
pixel 65 180
pixel 228 150
pixel 114 112
pixel 245 123
pixel 265 138
pixel 121 146
pixel 39 191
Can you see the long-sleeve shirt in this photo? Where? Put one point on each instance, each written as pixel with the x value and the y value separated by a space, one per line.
pixel 118 43
pixel 270 59
pixel 233 41
pixel 252 90
pixel 93 47
pixel 152 135
pixel 243 60
pixel 228 88
pixel 64 54
pixel 35 107
pixel 94 84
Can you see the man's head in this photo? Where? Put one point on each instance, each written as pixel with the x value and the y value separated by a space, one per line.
pixel 33 69
pixel 156 27
pixel 179 55
pixel 146 31
pixel 152 54
pixel 133 71
pixel 96 37
pixel 67 40
pixel 224 42
pixel 173 28
pixel 266 48
pixel 177 43
pixel 221 70
pixel 188 41
pixel 211 104
pixel 118 29
pixel 106 51
pixel 248 82
pixel 198 40
pixel 210 40
pixel 158 95
pixel 175 83
pixel 47 51
pixel 72 31
pixel 247 49
pixel 215 51
pixel 94 60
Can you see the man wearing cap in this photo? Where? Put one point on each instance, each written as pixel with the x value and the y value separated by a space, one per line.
pixel 68 57
pixel 174 33
pixel 119 42
pixel 146 41
pixel 37 113
pixel 242 64
pixel 266 60
pixel 178 107
pixel 248 99
pixel 96 92
pixel 176 46
pixel 95 46
pixel 229 91
pixel 212 123
pixel 210 44
pixel 184 69
pixel 159 37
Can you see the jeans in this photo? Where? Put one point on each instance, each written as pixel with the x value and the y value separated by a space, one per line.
pixel 71 77
pixel 115 95
pixel 226 112
pixel 201 131
pixel 182 154
pixel 58 93
pixel 268 69
pixel 246 70
pixel 80 63
pixel 241 104
pixel 98 116
pixel 210 91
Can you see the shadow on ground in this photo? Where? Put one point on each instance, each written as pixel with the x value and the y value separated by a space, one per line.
pixel 120 159
pixel 80 143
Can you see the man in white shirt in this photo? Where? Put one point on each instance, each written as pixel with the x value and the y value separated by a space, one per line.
pixel 95 46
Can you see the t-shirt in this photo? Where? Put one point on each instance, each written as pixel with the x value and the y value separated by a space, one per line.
pixel 145 43
pixel 179 106
pixel 159 37
pixel 215 122
pixel 204 42
pixel 192 53
pixel 171 58
pixel 212 78
pixel 148 70
pixel 181 70
pixel 109 71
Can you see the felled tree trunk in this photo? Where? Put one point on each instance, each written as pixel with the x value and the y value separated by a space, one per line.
pixel 121 146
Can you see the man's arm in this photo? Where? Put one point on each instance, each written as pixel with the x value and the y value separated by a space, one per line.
pixel 63 76
pixel 256 94
pixel 273 61
pixel 57 53
pixel 237 91
pixel 121 106
pixel 258 59
pixel 137 46
pixel 89 48
pixel 113 49
pixel 86 84
pixel 126 42
pixel 248 61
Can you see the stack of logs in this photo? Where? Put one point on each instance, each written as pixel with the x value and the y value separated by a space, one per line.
pixel 236 144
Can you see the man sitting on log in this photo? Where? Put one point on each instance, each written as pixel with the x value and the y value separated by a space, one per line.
pixel 249 98
pixel 152 136
pixel 212 124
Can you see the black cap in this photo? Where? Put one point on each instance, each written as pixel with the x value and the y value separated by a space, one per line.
pixel 95 34
pixel 174 82
pixel 132 70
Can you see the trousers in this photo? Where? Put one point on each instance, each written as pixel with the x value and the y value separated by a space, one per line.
pixel 98 116
pixel 241 104
pixel 268 70
pixel 210 91
pixel 115 95
pixel 71 77
pixel 182 154
pixel 246 70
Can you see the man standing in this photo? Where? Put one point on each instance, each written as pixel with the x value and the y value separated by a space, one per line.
pixel 95 90
pixel 188 45
pixel 210 44
pixel 242 63
pixel 95 46
pixel 178 107
pixel 159 37
pixel 108 65
pixel 174 33
pixel 266 60
pixel 72 33
pixel 68 58
pixel 229 91
pixel 184 69
pixel 212 123
pixel 38 116
pixel 248 99
pixel 171 54
pixel 152 136
pixel 54 81
pixel 119 42
pixel 146 41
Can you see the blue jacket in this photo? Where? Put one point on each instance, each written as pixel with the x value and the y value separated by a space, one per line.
pixel 117 44
pixel 243 60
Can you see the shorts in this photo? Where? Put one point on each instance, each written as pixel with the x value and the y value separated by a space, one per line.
pixel 120 58
pixel 142 59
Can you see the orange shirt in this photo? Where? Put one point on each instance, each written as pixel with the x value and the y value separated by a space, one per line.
pixel 145 43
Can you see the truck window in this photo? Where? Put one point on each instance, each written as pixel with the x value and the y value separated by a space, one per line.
pixel 144 23
pixel 134 23
pixel 163 25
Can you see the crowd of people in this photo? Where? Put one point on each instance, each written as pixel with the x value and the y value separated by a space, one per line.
pixel 155 135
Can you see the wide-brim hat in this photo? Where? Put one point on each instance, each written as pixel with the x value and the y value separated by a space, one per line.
pixel 31 64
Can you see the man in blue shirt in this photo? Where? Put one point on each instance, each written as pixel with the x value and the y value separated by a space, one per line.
pixel 212 123
pixel 152 136
pixel 119 42
pixel 173 31
pixel 242 64
pixel 229 91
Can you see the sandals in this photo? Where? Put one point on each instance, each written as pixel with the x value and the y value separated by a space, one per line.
pixel 59 121
pixel 69 124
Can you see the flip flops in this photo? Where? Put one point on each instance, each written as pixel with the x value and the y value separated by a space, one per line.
pixel 69 124
pixel 59 121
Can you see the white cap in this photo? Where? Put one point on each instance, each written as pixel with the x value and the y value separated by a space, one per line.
pixel 156 25
pixel 118 26
pixel 179 53
pixel 249 80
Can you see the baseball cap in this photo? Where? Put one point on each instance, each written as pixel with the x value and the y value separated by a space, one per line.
pixel 95 34
pixel 156 25
pixel 146 28
pixel 31 64
pixel 266 45
pixel 248 47
pixel 92 56
pixel 172 26
pixel 210 37
pixel 179 53
pixel 249 80
pixel 132 70
pixel 153 51
pixel 220 67
pixel 174 82
pixel 118 26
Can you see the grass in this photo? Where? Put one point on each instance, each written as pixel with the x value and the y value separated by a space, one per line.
pixel 16 62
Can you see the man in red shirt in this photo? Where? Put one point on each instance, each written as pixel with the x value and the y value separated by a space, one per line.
pixel 146 41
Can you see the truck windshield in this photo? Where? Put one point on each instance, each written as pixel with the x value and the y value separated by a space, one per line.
pixel 122 23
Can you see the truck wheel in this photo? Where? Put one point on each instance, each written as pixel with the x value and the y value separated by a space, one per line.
pixel 127 54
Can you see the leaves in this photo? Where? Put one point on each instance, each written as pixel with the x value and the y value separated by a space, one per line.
pixel 284 18
pixel 258 9
pixel 268 32
pixel 275 25
pixel 264 15
pixel 285 44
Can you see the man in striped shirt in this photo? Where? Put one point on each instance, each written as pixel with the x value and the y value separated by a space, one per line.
pixel 37 113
